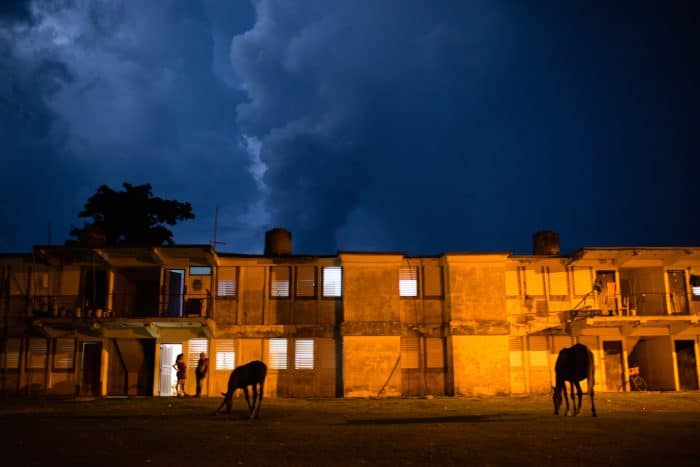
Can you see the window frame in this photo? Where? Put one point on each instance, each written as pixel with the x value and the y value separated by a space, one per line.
pixel 274 364
pixel 289 284
pixel 198 272
pixel 339 293
pixel 416 286
pixel 314 294
pixel 72 355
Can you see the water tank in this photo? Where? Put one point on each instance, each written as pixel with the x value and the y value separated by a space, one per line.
pixel 278 242
pixel 546 242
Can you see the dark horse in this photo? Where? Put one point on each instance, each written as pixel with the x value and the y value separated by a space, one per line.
pixel 251 374
pixel 574 364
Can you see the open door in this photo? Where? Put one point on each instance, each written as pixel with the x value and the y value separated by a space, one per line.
pixel 687 365
pixel 613 365
pixel 174 290
pixel 168 375
pixel 90 369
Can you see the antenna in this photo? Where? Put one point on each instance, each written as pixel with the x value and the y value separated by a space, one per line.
pixel 216 219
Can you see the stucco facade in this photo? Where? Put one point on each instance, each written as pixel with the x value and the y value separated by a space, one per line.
pixel 110 321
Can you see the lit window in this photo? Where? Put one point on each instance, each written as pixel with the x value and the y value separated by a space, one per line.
pixel 304 354
pixel 306 281
pixel 225 354
pixel 279 282
pixel 278 354
pixel 226 283
pixel 408 281
pixel 196 347
pixel 332 281
pixel 200 270
pixel 695 286
pixel 37 353
pixel 64 355
pixel 11 359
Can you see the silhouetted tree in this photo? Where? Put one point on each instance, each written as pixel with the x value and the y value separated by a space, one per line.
pixel 130 217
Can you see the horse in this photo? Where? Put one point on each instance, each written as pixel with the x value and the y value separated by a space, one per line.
pixel 574 364
pixel 251 374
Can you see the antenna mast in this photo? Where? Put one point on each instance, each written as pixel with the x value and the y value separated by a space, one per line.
pixel 216 220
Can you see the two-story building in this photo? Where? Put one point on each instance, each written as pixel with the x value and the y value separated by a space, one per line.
pixel 110 321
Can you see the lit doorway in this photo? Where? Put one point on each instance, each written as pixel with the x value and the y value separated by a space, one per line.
pixel 168 375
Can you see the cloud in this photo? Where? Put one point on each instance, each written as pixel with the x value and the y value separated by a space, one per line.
pixel 128 94
pixel 463 125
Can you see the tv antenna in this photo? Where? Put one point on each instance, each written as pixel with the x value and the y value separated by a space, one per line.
pixel 216 219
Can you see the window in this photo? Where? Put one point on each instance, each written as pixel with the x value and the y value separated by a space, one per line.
pixel 408 281
pixel 37 353
pixel 304 354
pixel 433 353
pixel 196 347
pixel 432 281
pixel 332 281
pixel 306 281
pixel 409 352
pixel 64 355
pixel 534 284
pixel 278 354
pixel 695 286
pixel 200 270
pixel 225 354
pixel 11 360
pixel 279 282
pixel 226 283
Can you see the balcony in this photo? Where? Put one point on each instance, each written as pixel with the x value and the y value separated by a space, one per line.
pixel 121 306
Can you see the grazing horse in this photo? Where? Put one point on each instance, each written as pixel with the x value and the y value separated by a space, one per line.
pixel 251 374
pixel 574 364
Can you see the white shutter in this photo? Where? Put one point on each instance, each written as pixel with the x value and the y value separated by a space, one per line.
pixel 332 281
pixel 37 353
pixel 225 354
pixel 278 354
pixel 226 283
pixel 409 352
pixel 279 282
pixel 304 354
pixel 194 348
pixel 64 356
pixel 12 355
pixel 408 281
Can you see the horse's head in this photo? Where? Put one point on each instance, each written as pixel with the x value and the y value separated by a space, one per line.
pixel 556 399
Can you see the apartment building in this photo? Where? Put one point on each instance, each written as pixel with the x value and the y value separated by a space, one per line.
pixel 111 321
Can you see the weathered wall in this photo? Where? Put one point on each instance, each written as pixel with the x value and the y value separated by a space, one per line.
pixel 481 365
pixel 368 362
pixel 371 288
pixel 476 288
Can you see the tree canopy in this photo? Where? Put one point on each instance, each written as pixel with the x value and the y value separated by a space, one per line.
pixel 129 217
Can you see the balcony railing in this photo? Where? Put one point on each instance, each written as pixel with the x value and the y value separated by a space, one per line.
pixel 121 305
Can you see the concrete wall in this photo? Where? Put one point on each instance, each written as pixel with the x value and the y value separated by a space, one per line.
pixel 481 365
pixel 476 288
pixel 368 362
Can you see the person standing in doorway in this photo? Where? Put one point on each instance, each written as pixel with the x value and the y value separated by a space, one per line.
pixel 181 367
pixel 201 371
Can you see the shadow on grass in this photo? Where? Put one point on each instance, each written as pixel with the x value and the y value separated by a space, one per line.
pixel 444 419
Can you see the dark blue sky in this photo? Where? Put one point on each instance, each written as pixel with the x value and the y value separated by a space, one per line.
pixel 430 127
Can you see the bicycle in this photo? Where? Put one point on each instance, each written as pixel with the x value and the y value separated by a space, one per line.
pixel 635 380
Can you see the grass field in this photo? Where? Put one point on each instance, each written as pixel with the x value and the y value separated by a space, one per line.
pixel 631 429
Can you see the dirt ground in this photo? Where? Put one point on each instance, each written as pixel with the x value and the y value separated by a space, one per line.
pixel 631 429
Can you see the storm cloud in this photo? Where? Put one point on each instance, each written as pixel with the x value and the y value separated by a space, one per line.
pixel 416 126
